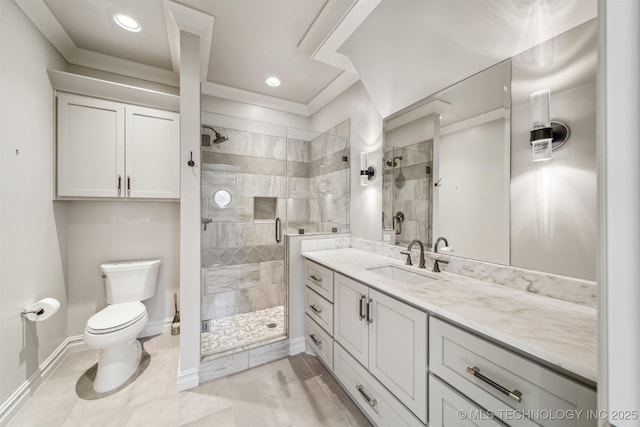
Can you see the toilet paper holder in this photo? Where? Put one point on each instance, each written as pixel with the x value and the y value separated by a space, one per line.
pixel 37 312
pixel 41 310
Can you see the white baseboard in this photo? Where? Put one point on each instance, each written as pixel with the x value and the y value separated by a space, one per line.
pixel 297 345
pixel 13 404
pixel 156 328
pixel 76 344
pixel 188 379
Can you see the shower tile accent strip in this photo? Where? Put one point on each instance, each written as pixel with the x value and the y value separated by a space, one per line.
pixel 247 164
pixel 577 291
pixel 217 257
pixel 330 163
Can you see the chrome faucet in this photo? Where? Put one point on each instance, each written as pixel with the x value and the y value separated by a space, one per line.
pixel 435 245
pixel 408 253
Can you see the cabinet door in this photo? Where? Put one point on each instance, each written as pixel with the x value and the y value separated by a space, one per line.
pixel 350 326
pixel 449 408
pixel 90 147
pixel 398 350
pixel 153 153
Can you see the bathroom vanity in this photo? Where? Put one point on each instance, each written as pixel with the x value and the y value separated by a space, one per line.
pixel 413 347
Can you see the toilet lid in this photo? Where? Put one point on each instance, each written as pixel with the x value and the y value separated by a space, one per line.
pixel 116 316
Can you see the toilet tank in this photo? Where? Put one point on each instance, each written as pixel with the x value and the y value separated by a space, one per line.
pixel 130 281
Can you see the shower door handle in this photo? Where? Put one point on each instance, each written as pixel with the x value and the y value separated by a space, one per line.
pixel 278 230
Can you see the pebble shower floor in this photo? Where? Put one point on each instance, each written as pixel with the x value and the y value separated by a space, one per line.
pixel 243 329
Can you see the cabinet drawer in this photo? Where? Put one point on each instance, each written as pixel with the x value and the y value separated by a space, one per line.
pixel 320 310
pixel 470 364
pixel 319 278
pixel 378 403
pixel 319 341
pixel 447 407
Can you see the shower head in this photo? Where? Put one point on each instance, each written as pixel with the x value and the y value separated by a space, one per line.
pixel 206 139
pixel 393 163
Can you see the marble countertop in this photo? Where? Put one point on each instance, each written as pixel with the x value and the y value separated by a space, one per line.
pixel 558 333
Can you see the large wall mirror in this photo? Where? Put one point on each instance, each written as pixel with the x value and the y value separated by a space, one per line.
pixel 459 165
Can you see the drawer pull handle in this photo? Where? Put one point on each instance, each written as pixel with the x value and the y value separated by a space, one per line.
pixel 316 279
pixel 119 185
pixel 515 394
pixel 315 309
pixel 372 402
pixel 361 311
pixel 369 318
pixel 316 341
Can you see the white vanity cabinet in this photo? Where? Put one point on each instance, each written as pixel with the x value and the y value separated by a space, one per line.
pixel 319 311
pixel 110 149
pixel 506 383
pixel 388 337
pixel 449 408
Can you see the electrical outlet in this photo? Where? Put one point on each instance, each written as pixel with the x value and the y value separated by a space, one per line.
pixel 205 325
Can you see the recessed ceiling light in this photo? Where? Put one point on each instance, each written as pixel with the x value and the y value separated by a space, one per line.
pixel 127 23
pixel 273 81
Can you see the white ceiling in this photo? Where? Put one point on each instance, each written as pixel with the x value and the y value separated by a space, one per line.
pixel 254 39
pixel 402 50
pixel 90 25
pixel 407 50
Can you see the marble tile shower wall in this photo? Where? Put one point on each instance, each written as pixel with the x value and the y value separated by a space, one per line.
pixel 242 265
pixel 319 201
pixel 407 190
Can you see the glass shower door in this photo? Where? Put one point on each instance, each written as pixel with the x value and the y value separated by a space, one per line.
pixel 243 194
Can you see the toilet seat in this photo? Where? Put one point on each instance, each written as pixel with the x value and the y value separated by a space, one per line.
pixel 116 317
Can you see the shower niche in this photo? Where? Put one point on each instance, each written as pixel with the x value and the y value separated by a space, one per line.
pixel 265 208
pixel 260 181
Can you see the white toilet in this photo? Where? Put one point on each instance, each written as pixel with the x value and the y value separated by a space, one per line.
pixel 114 329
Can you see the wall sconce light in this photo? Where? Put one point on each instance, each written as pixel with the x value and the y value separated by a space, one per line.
pixel 367 173
pixel 546 135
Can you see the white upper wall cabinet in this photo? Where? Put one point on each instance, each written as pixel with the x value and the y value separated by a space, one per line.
pixel 153 153
pixel 90 147
pixel 109 149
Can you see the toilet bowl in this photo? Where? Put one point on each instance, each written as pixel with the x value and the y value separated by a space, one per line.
pixel 114 329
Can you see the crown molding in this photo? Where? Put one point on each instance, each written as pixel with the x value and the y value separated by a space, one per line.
pixel 327 52
pixel 332 90
pixel 182 18
pixel 235 94
pixel 38 12
pixel 91 86
pixel 195 22
pixel 414 112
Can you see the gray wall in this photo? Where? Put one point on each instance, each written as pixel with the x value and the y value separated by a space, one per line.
pixel 104 231
pixel 32 227
pixel 365 122
pixel 553 203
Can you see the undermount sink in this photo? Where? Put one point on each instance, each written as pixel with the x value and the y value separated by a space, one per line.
pixel 402 274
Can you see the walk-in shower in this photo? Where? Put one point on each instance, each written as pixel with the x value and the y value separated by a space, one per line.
pixel 263 182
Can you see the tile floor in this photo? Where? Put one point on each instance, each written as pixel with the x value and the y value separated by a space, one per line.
pixel 243 329
pixel 295 391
